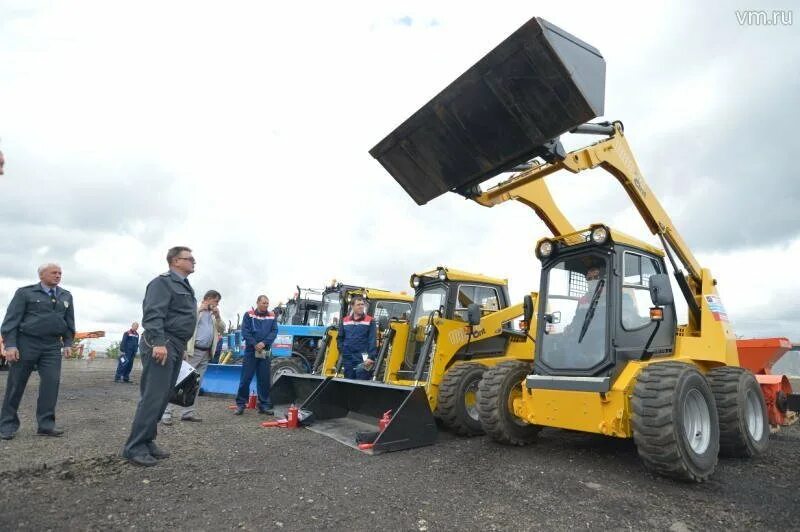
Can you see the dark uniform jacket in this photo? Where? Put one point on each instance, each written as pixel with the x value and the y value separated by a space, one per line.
pixel 34 313
pixel 358 336
pixel 169 311
pixel 130 343
pixel 258 328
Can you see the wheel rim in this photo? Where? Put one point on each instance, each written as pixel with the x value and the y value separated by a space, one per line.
pixel 753 417
pixel 697 421
pixel 471 399
pixel 286 370
pixel 515 393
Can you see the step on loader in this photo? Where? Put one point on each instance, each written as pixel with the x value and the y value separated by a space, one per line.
pixel 612 357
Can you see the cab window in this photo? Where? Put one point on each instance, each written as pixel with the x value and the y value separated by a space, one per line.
pixel 485 296
pixel 636 302
pixel 394 310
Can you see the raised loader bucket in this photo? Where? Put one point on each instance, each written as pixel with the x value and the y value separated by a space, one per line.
pixel 293 389
pixel 534 86
pixel 343 407
pixel 222 379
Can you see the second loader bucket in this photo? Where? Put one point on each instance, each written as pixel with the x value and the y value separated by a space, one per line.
pixel 293 389
pixel 537 84
pixel 343 407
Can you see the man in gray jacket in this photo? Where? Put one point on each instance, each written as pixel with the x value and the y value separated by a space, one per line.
pixel 200 349
pixel 169 316
pixel 38 329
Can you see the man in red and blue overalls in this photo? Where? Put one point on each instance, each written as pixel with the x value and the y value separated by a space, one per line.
pixel 357 341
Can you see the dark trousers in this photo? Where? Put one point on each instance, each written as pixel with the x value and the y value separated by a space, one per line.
pixel 156 384
pixel 47 360
pixel 124 368
pixel 350 363
pixel 260 367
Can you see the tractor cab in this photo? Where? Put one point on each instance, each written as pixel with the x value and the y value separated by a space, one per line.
pixel 446 293
pixel 596 309
pixel 303 308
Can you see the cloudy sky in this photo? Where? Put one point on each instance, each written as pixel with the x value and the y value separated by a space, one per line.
pixel 241 129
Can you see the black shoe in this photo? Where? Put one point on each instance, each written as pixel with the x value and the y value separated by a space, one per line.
pixel 157 452
pixel 266 411
pixel 55 432
pixel 128 382
pixel 239 411
pixel 117 381
pixel 144 460
pixel 6 435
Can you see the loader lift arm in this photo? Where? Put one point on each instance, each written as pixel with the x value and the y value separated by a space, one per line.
pixel 614 155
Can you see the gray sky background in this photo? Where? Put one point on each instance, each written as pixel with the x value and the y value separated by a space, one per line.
pixel 241 129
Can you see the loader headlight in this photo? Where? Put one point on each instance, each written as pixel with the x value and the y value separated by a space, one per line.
pixel 545 249
pixel 600 234
pixel 442 274
pixel 415 281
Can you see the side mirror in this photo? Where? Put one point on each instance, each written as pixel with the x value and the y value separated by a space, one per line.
pixel 660 290
pixel 527 309
pixel 474 314
pixel 553 317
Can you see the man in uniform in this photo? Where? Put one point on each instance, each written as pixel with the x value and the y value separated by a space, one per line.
pixel 357 337
pixel 200 348
pixel 169 315
pixel 127 352
pixel 38 329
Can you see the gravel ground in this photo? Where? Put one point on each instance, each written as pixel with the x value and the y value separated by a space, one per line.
pixel 227 472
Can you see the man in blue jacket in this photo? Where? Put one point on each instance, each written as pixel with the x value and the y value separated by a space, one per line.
pixel 259 329
pixel 127 350
pixel 357 337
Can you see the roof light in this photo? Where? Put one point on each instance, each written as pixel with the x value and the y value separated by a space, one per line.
pixel 600 234
pixel 415 281
pixel 442 274
pixel 545 249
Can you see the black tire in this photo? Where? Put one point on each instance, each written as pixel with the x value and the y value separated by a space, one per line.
pixel 495 393
pixel 281 365
pixel 675 423
pixel 743 421
pixel 457 405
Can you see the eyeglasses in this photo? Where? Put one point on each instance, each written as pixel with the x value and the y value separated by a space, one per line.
pixel 190 259
pixel 590 276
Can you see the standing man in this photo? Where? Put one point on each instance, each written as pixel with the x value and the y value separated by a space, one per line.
pixel 169 316
pixel 357 341
pixel 38 330
pixel 259 329
pixel 200 348
pixel 2 162
pixel 127 350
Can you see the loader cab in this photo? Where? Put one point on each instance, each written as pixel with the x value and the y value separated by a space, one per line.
pixel 446 293
pixel 336 304
pixel 594 305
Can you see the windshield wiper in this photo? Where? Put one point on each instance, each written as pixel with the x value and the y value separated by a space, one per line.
pixel 592 306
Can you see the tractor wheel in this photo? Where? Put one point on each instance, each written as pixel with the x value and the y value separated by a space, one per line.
pixel 458 399
pixel 498 389
pixel 675 423
pixel 743 421
pixel 282 365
